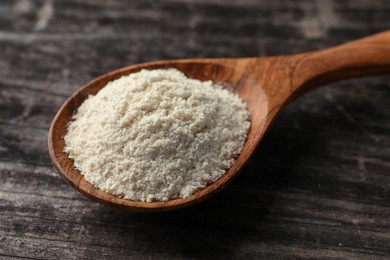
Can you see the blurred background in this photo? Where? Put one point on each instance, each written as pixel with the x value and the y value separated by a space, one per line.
pixel 318 187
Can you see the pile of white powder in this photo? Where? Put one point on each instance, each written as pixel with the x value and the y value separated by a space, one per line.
pixel 157 135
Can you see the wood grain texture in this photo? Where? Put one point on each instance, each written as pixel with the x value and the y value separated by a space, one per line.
pixel 317 187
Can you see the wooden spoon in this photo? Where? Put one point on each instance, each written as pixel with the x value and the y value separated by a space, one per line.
pixel 265 84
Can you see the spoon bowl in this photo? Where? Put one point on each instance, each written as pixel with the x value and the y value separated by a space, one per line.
pixel 265 84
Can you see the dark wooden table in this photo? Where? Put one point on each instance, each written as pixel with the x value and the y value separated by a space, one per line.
pixel 319 185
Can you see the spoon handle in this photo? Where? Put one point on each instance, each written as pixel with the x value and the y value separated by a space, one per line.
pixel 363 57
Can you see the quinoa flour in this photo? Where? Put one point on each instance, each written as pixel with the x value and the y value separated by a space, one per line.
pixel 157 135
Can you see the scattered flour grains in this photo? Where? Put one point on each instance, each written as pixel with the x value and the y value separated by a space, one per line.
pixel 157 135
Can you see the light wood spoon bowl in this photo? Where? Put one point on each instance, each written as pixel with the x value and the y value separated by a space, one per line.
pixel 265 84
